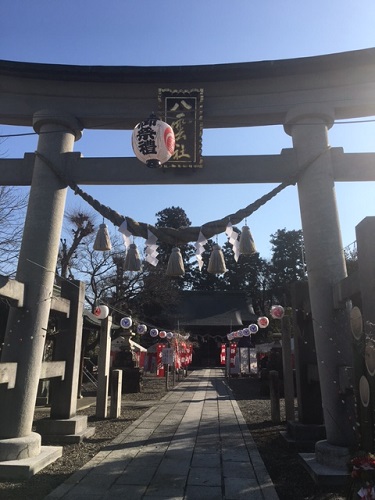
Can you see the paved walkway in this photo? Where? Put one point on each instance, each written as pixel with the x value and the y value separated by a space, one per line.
pixel 193 444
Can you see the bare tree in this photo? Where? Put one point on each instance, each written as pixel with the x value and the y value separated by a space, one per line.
pixel 13 203
pixel 82 226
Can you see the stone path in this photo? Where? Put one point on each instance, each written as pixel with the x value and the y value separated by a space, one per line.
pixel 193 444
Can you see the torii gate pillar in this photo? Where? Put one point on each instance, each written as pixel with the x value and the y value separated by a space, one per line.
pixel 27 325
pixel 326 266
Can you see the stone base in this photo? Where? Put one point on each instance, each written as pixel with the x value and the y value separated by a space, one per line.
pixel 18 448
pixel 323 474
pixel 27 467
pixel 328 465
pixel 64 431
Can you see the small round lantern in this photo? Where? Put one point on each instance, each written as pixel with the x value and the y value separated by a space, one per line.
pixel 246 332
pixel 153 142
pixel 154 332
pixel 277 312
pixel 101 312
pixel 253 328
pixel 263 322
pixel 230 336
pixel 240 333
pixel 141 329
pixel 162 334
pixel 169 335
pixel 126 322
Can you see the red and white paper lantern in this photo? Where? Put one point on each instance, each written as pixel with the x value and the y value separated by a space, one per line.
pixel 153 142
pixel 101 312
pixel 277 312
pixel 263 322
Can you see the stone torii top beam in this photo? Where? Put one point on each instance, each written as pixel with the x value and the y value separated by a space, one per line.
pixel 235 95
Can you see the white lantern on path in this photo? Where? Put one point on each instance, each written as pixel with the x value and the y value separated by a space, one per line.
pixel 141 329
pixel 153 141
pixel 126 322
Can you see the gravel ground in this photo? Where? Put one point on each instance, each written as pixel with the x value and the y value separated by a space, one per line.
pixel 290 478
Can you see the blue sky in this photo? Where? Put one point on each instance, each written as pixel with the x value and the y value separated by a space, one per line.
pixel 147 33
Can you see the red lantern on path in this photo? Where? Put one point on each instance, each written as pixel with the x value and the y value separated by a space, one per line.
pixel 277 312
pixel 153 141
pixel 101 312
pixel 263 322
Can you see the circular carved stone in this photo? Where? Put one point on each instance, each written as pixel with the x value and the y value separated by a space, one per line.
pixel 356 322
pixel 370 358
pixel 364 391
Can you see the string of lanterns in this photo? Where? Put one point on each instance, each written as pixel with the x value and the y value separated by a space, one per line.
pixel 276 312
pixel 127 322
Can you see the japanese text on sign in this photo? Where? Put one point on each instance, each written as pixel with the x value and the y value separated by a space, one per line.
pixel 182 110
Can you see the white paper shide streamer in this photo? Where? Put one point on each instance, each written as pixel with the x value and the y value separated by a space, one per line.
pixel 125 233
pixel 151 249
pixel 199 249
pixel 233 240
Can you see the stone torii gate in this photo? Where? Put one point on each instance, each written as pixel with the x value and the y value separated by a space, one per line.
pixel 305 95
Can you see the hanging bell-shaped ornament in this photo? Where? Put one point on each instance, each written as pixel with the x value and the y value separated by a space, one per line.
pixel 247 245
pixel 132 259
pixel 175 264
pixel 102 241
pixel 216 264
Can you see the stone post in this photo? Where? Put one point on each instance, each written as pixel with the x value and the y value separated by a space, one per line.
pixel 64 425
pixel 103 368
pixel 27 326
pixel 287 368
pixel 308 127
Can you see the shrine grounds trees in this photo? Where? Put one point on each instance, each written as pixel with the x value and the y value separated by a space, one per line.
pixel 287 263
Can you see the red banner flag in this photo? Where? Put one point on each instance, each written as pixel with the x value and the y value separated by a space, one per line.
pixel 223 354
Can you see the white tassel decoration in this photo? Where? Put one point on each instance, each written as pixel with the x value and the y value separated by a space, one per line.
pixel 175 264
pixel 247 245
pixel 132 259
pixel 102 241
pixel 216 264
